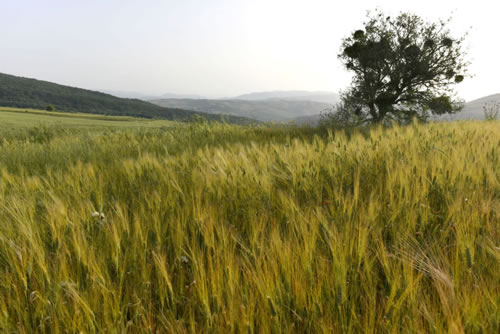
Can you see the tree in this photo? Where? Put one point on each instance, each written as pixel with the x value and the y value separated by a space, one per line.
pixel 50 108
pixel 403 68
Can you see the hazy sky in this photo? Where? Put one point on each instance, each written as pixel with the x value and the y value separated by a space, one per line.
pixel 216 47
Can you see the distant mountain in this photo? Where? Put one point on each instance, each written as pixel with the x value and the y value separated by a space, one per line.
pixel 148 97
pixel 296 95
pixel 262 110
pixel 30 93
pixel 180 96
pixel 128 95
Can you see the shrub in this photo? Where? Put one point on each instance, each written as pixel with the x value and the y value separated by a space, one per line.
pixel 491 111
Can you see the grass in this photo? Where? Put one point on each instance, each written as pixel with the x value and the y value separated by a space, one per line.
pixel 221 228
pixel 15 118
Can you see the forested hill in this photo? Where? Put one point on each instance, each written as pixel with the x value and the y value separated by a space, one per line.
pixel 31 93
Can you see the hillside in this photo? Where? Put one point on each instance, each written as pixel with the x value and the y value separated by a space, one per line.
pixel 293 95
pixel 15 120
pixel 474 109
pixel 312 120
pixel 147 97
pixel 31 93
pixel 264 110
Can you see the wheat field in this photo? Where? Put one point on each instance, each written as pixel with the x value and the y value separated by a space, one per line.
pixel 214 228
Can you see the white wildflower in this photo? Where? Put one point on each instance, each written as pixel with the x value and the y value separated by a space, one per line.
pixel 98 215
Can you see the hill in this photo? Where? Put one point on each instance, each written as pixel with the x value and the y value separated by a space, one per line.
pixel 262 110
pixel 181 96
pixel 474 109
pixel 15 120
pixel 128 94
pixel 147 97
pixel 312 120
pixel 31 93
pixel 294 95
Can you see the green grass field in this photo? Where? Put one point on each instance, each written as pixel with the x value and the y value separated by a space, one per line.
pixel 219 228
pixel 14 118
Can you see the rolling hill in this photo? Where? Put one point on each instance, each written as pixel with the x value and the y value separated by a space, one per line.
pixel 19 119
pixel 473 110
pixel 312 120
pixel 31 93
pixel 262 110
pixel 293 95
pixel 148 97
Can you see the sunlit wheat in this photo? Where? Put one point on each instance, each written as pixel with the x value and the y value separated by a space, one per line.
pixel 212 228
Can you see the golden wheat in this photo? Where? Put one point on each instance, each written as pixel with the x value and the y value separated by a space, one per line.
pixel 219 228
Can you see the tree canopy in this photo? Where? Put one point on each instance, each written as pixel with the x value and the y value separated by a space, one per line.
pixel 403 68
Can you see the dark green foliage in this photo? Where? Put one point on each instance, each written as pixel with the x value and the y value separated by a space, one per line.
pixel 50 108
pixel 440 105
pixel 403 68
pixel 30 93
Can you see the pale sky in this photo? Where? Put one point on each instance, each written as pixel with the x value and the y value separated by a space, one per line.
pixel 217 48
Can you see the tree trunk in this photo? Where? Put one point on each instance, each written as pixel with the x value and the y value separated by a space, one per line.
pixel 373 112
